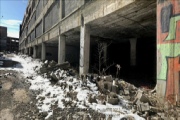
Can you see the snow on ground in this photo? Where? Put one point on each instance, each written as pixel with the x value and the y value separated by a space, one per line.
pixel 50 94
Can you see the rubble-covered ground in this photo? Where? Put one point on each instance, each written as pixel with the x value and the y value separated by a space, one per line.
pixel 47 90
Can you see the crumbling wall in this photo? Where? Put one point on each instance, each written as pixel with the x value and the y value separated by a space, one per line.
pixel 52 16
pixel 39 8
pixel 32 35
pixel 71 5
pixel 32 21
pixel 168 49
pixel 39 29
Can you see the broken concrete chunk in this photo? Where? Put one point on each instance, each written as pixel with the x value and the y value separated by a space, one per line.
pixel 144 99
pixel 104 86
pixel 127 97
pixel 54 77
pixel 143 107
pixel 101 99
pixel 112 95
pixel 113 101
pixel 92 99
pixel 155 109
pixel 108 78
pixel 71 72
pixel 115 89
pixel 64 65
pixel 126 92
pixel 128 117
pixel 52 63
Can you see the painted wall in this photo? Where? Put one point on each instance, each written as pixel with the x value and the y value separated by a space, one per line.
pixel 168 48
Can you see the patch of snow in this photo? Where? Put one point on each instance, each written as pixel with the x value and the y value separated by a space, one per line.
pixel 55 94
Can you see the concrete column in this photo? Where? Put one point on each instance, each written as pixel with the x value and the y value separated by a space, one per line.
pixel 26 51
pixel 84 49
pixel 133 51
pixel 61 49
pixel 34 52
pixel 104 52
pixel 29 51
pixel 43 51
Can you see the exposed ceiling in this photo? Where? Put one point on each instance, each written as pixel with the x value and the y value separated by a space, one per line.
pixel 135 20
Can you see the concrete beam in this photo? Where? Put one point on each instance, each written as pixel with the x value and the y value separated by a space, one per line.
pixel 43 51
pixel 84 49
pixel 133 42
pixel 61 49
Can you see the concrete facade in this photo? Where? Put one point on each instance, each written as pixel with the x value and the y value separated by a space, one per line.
pixel 65 30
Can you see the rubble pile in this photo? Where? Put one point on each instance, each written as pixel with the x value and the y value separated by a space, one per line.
pixel 55 71
pixel 91 91
pixel 142 101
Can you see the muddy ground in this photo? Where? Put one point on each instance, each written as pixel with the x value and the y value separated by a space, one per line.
pixel 17 102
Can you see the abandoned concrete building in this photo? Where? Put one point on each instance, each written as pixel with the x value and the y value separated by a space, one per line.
pixel 141 35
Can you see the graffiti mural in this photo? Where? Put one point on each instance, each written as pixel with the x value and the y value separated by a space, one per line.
pixel 168 46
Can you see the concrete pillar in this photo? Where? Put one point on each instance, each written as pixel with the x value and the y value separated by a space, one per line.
pixel 104 52
pixel 61 49
pixel 29 51
pixel 26 51
pixel 34 51
pixel 43 51
pixel 133 42
pixel 84 49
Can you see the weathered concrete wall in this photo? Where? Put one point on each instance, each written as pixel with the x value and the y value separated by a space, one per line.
pixel 39 29
pixel 32 21
pixel 71 5
pixel 168 48
pixel 39 8
pixel 52 16
pixel 45 2
pixel 32 35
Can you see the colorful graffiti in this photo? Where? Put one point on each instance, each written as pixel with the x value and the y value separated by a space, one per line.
pixel 168 46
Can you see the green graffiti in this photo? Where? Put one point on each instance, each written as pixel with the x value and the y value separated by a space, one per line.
pixel 172 28
pixel 167 50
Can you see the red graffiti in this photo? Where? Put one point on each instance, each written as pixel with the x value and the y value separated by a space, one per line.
pixel 172 87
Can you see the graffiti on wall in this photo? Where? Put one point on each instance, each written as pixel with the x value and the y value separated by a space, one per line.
pixel 168 46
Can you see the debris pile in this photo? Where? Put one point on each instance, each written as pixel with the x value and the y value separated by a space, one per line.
pixel 58 87
pixel 142 101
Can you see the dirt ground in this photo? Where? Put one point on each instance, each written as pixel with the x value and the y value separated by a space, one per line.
pixel 16 101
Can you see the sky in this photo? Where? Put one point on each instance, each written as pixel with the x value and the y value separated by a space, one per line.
pixel 11 15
